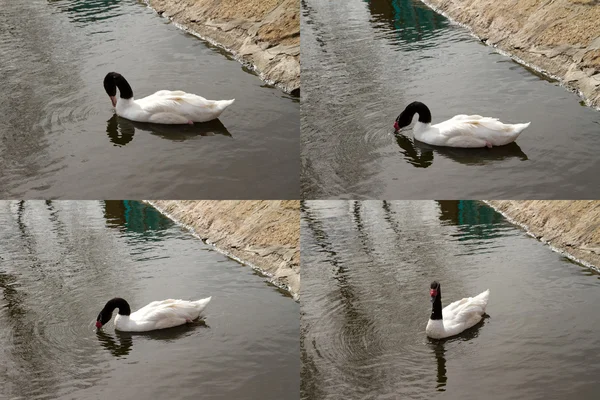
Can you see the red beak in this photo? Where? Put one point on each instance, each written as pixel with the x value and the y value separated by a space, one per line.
pixel 113 100
pixel 98 324
pixel 396 126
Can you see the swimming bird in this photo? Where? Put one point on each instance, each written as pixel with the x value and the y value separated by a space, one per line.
pixel 156 315
pixel 162 107
pixel 459 131
pixel 455 317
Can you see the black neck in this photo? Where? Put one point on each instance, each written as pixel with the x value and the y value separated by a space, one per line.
pixel 436 309
pixel 125 91
pixel 119 303
pixel 114 80
pixel 418 108
pixel 406 116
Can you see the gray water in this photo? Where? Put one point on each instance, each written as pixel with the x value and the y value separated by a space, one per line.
pixel 366 270
pixel 59 137
pixel 61 261
pixel 363 62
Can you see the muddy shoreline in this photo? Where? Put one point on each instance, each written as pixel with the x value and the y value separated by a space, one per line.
pixel 569 227
pixel 560 39
pixel 262 234
pixel 263 35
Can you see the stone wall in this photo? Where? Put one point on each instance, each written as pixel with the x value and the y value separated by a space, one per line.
pixel 261 33
pixel 559 37
pixel 265 234
pixel 570 226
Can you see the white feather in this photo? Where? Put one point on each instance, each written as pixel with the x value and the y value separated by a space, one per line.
pixel 458 316
pixel 468 131
pixel 171 107
pixel 161 315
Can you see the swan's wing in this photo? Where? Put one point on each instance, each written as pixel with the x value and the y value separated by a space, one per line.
pixel 483 128
pixel 466 132
pixel 461 117
pixel 182 103
pixel 152 307
pixel 166 309
pixel 450 309
pixel 169 93
pixel 466 312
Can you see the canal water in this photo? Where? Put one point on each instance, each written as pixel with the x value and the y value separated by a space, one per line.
pixel 61 261
pixel 58 134
pixel 364 62
pixel 366 270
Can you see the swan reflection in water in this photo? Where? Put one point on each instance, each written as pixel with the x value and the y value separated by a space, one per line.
pixel 420 155
pixel 438 346
pixel 439 350
pixel 120 131
pixel 120 343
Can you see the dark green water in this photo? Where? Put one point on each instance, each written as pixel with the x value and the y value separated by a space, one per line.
pixel 364 62
pixel 58 134
pixel 61 261
pixel 366 270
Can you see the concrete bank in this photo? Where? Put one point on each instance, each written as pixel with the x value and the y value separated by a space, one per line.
pixel 263 34
pixel 560 38
pixel 571 227
pixel 262 234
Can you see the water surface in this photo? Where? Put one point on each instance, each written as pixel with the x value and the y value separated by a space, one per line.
pixel 366 270
pixel 59 137
pixel 364 62
pixel 61 261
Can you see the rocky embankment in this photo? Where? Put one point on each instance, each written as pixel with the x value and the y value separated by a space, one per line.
pixel 572 227
pixel 559 37
pixel 264 234
pixel 262 33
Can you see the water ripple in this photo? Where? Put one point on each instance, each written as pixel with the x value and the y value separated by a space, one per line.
pixel 84 12
pixel 366 268
pixel 364 63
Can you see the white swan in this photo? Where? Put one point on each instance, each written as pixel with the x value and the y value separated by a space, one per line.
pixel 455 317
pixel 162 107
pixel 156 315
pixel 459 131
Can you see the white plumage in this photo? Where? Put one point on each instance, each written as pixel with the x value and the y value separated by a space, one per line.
pixel 457 316
pixel 156 315
pixel 162 107
pixel 468 131
pixel 171 107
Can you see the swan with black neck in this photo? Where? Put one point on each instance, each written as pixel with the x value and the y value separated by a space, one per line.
pixel 467 131
pixel 455 317
pixel 156 315
pixel 162 107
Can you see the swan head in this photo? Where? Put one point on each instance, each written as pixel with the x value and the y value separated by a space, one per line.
pixel 114 80
pixel 106 313
pixel 102 319
pixel 406 116
pixel 434 290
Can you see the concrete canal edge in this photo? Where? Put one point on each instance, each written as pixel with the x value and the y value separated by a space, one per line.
pixel 571 228
pixel 560 39
pixel 264 235
pixel 264 35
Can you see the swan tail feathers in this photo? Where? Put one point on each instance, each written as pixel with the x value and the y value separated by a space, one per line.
pixel 483 295
pixel 482 299
pixel 226 103
pixel 521 127
pixel 201 304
